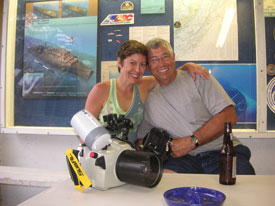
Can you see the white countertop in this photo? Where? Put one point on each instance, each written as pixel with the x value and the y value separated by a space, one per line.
pixel 256 190
pixel 31 176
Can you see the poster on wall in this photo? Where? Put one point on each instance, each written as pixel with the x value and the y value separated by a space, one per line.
pixel 205 30
pixel 42 10
pixel 60 54
pixel 58 9
pixel 232 78
pixel 74 8
pixel 270 94
pixel 269 8
pixel 152 6
pixel 109 70
pixel 145 33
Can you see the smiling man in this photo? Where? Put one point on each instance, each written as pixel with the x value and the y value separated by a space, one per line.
pixel 192 112
pixel 162 64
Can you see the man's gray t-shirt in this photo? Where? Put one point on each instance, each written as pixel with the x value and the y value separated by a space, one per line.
pixel 184 106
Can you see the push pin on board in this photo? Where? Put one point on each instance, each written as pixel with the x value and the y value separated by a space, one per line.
pixel 271 69
pixel 177 24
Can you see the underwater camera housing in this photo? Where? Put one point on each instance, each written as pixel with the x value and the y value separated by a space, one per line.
pixel 107 161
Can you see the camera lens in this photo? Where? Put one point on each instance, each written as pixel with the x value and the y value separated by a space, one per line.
pixel 139 168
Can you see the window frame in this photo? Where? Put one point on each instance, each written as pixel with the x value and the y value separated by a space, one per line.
pixel 8 55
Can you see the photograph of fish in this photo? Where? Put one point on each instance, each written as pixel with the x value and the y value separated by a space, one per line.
pixel 45 10
pixel 75 8
pixel 60 57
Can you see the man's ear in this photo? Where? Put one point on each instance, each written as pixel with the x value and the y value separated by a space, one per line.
pixel 119 62
pixel 174 56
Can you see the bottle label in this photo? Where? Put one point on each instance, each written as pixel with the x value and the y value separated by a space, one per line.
pixel 234 167
pixel 231 137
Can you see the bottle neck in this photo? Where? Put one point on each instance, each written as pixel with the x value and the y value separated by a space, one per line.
pixel 227 138
pixel 227 133
pixel 227 127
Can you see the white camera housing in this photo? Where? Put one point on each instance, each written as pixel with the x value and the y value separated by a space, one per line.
pixel 95 136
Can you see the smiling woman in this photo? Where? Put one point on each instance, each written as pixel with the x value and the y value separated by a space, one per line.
pixel 126 94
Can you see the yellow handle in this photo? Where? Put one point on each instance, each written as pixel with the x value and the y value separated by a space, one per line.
pixel 82 178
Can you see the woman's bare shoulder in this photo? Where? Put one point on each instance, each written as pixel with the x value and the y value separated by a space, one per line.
pixel 100 90
pixel 102 85
pixel 97 97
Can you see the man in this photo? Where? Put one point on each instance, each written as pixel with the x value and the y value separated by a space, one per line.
pixel 192 112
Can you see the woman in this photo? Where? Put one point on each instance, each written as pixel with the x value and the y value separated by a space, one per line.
pixel 126 94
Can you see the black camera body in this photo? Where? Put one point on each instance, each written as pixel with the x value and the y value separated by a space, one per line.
pixel 157 141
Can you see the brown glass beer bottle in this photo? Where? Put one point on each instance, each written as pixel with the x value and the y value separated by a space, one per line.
pixel 227 157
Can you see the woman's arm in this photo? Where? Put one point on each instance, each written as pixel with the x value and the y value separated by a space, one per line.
pixel 96 99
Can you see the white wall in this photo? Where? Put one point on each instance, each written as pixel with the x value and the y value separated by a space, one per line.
pixel 31 151
pixel 262 157
pixel 35 151
pixel 48 152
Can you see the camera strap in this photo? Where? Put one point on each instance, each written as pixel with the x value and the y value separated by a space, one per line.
pixel 80 179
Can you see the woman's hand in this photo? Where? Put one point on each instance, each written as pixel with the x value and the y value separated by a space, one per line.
pixel 194 69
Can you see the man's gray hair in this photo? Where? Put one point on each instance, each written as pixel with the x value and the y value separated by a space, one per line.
pixel 157 42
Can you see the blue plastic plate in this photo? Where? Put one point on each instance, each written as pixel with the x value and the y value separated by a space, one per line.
pixel 194 196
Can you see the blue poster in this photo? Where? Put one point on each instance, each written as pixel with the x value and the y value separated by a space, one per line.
pixel 60 57
pixel 239 81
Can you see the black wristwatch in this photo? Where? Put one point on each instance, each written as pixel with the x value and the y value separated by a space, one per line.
pixel 195 140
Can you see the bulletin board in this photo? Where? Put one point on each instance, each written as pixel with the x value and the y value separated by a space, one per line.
pixel 58 111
